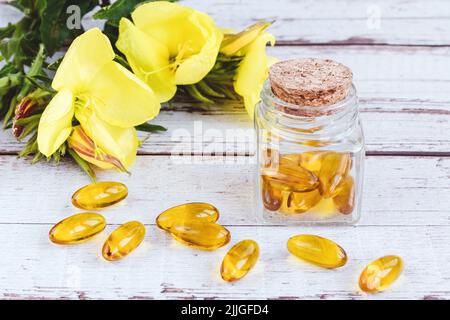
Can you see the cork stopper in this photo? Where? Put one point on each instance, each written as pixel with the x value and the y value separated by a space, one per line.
pixel 310 82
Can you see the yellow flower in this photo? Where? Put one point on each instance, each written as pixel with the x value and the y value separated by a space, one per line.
pixel 107 100
pixel 169 45
pixel 253 70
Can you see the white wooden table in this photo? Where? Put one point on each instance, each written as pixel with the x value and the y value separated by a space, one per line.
pixel 402 69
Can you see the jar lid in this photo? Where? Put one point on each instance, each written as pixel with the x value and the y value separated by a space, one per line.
pixel 310 82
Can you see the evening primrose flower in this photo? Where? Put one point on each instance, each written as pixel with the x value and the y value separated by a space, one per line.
pixel 253 70
pixel 107 100
pixel 168 45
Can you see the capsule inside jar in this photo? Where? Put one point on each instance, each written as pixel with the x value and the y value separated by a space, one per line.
pixel 291 178
pixel 334 169
pixel 314 181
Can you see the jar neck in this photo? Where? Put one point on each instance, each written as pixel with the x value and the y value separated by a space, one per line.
pixel 313 123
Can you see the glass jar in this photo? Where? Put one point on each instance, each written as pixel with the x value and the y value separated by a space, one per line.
pixel 310 166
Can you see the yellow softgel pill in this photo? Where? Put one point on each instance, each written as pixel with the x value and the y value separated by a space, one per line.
pixel 271 197
pixel 239 260
pixel 300 202
pixel 99 195
pixel 317 250
pixel 187 212
pixel 345 196
pixel 77 228
pixel 334 168
pixel 123 240
pixel 312 160
pixel 201 235
pixel 380 274
pixel 291 178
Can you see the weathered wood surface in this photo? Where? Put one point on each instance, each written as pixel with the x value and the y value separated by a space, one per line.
pixel 404 86
pixel 404 93
pixel 160 268
pixel 396 22
pixel 399 191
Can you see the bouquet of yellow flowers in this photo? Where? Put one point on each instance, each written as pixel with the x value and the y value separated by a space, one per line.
pixel 110 84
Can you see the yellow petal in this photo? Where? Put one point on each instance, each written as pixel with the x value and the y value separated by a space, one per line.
pixel 253 71
pixel 192 38
pixel 232 43
pixel 121 143
pixel 148 58
pixel 194 68
pixel 55 124
pixel 120 98
pixel 87 54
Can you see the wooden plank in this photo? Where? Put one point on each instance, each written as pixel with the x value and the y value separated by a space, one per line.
pixel 163 269
pixel 390 127
pixel 398 190
pixel 405 105
pixel 343 22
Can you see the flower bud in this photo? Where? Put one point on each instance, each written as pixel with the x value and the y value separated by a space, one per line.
pixel 85 147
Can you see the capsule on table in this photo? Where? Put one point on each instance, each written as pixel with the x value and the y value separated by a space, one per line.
pixel 345 197
pixel 77 228
pixel 380 274
pixel 291 178
pixel 201 235
pixel 272 197
pixel 99 195
pixel 186 212
pixel 335 167
pixel 239 260
pixel 123 240
pixel 317 250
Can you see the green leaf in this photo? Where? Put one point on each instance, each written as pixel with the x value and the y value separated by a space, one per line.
pixel 54 29
pixel 39 85
pixel 7 32
pixel 55 65
pixel 8 82
pixel 35 69
pixel 83 165
pixel 117 10
pixel 147 127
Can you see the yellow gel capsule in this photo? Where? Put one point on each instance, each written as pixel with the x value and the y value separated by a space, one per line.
pixel 291 178
pixel 380 274
pixel 272 197
pixel 78 228
pixel 300 202
pixel 345 197
pixel 312 160
pixel 123 240
pixel 99 195
pixel 291 159
pixel 317 250
pixel 335 167
pixel 201 235
pixel 186 212
pixel 239 260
